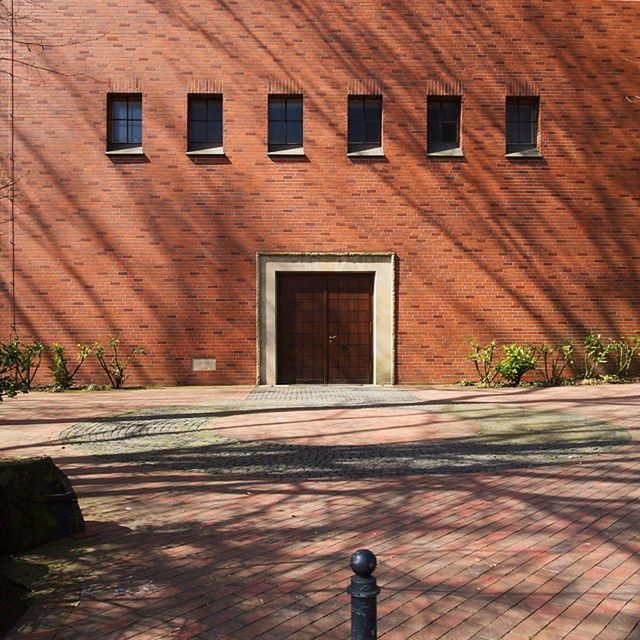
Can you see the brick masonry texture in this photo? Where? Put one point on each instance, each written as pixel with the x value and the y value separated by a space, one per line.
pixel 196 438
pixel 162 250
pixel 550 552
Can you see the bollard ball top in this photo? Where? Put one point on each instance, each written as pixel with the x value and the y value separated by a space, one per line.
pixel 363 563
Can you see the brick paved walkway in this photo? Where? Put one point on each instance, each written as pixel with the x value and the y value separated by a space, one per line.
pixel 548 552
pixel 436 437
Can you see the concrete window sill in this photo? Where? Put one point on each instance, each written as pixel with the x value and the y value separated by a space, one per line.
pixel 297 151
pixel 134 151
pixel 519 155
pixel 446 153
pixel 366 153
pixel 213 151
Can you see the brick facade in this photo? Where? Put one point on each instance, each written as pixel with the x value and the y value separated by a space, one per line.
pixel 162 249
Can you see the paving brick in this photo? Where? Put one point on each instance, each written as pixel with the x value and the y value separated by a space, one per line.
pixel 550 550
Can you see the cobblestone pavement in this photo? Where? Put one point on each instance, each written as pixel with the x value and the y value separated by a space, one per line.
pixel 331 396
pixel 186 438
pixel 548 552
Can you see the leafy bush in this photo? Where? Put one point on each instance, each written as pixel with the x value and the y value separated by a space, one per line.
pixel 30 361
pixel 10 384
pixel 9 387
pixel 595 354
pixel 517 361
pixel 18 366
pixel 63 376
pixel 115 365
pixel 482 358
pixel 624 351
pixel 24 360
pixel 553 360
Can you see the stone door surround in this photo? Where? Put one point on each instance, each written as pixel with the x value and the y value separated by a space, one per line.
pixel 382 265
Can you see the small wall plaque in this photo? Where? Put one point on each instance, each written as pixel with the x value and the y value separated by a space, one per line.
pixel 204 364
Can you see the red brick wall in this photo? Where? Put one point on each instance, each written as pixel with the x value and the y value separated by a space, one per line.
pixel 162 252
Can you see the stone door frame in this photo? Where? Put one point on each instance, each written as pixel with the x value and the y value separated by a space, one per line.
pixel 382 265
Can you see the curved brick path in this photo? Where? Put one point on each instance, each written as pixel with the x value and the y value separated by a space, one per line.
pixel 466 437
pixel 547 551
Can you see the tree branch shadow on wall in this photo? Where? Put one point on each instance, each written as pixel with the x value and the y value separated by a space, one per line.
pixel 509 221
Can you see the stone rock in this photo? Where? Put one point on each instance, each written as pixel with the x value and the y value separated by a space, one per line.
pixel 37 504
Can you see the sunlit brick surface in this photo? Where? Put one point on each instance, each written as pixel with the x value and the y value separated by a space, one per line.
pixel 162 250
pixel 550 552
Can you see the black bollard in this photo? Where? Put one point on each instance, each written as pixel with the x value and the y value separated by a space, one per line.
pixel 364 591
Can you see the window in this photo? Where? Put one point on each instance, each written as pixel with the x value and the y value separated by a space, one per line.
pixel 285 124
pixel 443 125
pixel 522 126
pixel 124 128
pixel 204 123
pixel 365 125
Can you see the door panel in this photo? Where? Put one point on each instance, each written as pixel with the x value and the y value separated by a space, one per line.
pixel 349 328
pixel 325 327
pixel 301 328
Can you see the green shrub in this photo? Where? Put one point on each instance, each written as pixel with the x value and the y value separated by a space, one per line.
pixel 624 351
pixel 30 361
pixel 115 365
pixel 517 361
pixel 595 354
pixel 9 387
pixel 553 360
pixel 10 384
pixel 63 376
pixel 482 358
pixel 18 366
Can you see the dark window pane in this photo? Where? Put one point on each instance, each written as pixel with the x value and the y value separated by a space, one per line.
pixel 449 132
pixel 525 133
pixel 198 109
pixel 135 109
pixel 525 112
pixel 205 122
pixel 522 123
pixel 294 109
pixel 534 114
pixel 433 112
pixel 365 122
pixel 356 131
pixel 214 132
pixel 356 109
pixel 215 109
pixel 372 108
pixel 119 109
pixel 285 122
pixel 450 110
pixel 512 133
pixel 434 121
pixel 199 132
pixel 294 133
pixel 277 133
pixel 125 121
pixel 443 124
pixel 372 132
pixel 277 109
pixel 119 131
pixel 135 132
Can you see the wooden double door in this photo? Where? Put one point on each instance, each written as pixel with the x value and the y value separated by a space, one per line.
pixel 325 328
